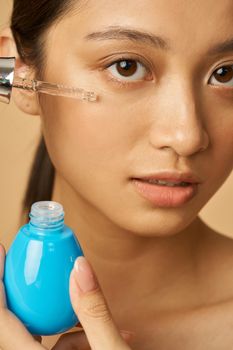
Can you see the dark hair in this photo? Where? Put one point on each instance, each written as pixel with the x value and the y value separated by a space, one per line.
pixel 30 20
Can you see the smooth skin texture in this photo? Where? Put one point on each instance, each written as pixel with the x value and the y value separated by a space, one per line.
pixel 165 274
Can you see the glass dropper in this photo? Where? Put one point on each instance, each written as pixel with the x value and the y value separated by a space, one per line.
pixel 8 81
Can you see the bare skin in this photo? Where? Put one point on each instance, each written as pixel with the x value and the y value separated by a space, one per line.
pixel 165 274
pixel 180 295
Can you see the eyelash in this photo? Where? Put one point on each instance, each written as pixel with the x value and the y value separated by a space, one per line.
pixel 127 59
pixel 126 83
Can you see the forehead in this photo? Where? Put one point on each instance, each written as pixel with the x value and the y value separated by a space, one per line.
pixel 183 14
pixel 189 25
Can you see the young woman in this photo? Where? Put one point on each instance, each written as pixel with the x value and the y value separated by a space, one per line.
pixel 134 168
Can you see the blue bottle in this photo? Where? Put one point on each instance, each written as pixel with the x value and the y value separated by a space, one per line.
pixel 37 270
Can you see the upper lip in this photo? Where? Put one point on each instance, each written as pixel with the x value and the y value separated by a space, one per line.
pixel 172 176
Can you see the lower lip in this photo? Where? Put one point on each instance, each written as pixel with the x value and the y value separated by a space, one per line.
pixel 165 196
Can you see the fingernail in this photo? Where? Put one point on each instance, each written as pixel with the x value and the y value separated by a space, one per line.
pixel 84 276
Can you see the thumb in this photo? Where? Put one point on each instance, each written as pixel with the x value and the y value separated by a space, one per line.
pixel 92 310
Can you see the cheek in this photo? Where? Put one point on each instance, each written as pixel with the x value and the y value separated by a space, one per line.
pixel 90 133
pixel 223 153
pixel 217 163
pixel 90 152
pixel 86 143
pixel 222 143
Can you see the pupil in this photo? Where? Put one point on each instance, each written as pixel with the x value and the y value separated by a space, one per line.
pixel 224 74
pixel 127 67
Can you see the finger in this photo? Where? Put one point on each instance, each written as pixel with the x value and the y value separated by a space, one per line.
pixel 92 310
pixel 13 334
pixel 128 336
pixel 78 340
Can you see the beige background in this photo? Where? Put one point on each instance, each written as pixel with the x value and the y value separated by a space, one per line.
pixel 19 134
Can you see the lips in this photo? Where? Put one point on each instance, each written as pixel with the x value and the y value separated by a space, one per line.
pixel 165 195
pixel 166 183
pixel 171 176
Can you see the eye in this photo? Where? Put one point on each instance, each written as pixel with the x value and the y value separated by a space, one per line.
pixel 223 76
pixel 128 70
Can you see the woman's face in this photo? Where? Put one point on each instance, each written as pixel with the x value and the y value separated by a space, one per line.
pixel 158 107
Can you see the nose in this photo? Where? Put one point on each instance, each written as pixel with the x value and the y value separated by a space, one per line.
pixel 178 121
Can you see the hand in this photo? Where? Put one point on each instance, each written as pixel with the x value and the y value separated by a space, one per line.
pixel 91 309
pixel 13 334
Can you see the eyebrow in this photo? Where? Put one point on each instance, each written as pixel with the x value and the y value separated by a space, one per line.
pixel 224 47
pixel 134 35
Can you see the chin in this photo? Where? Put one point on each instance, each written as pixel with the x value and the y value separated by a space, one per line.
pixel 159 222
